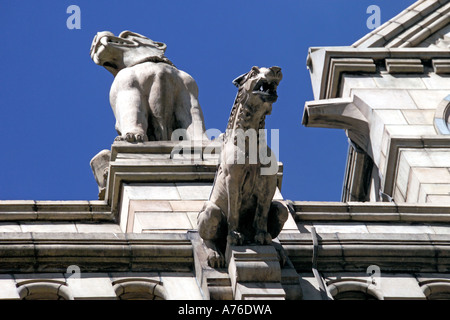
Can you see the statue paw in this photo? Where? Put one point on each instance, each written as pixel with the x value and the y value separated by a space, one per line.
pixel 235 238
pixel 132 137
pixel 216 259
pixel 263 237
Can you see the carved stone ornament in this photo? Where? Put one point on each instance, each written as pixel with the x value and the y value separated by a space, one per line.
pixel 150 97
pixel 240 209
pixel 100 167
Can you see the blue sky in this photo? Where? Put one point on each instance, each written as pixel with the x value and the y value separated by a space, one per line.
pixel 55 112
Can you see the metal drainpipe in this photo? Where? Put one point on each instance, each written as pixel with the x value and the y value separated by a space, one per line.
pixel 319 279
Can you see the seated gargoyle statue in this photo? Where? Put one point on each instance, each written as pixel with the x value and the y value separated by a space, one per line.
pixel 150 97
pixel 241 209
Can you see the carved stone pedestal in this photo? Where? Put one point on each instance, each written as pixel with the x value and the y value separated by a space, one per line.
pixel 255 272
pixel 214 282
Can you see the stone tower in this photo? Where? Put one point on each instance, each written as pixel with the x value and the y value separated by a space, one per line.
pixel 390 92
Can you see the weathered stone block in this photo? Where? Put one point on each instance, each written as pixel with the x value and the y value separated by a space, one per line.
pixel 47 227
pixel 436 82
pixel 419 117
pixel 92 286
pixel 190 191
pixel 161 222
pixel 10 227
pixel 347 227
pixel 97 228
pixel 410 130
pixel 400 286
pixel 398 228
pixel 350 82
pixel 255 272
pixel 438 198
pixel 8 289
pixel 187 205
pixel 427 99
pixel 258 290
pixel 386 98
pixel 390 116
pixel 389 81
pixel 180 286
pixel 253 264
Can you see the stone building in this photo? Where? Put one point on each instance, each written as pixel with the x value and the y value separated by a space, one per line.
pixel 389 237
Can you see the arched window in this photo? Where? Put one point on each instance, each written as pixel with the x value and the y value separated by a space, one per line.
pixel 442 116
pixel 44 290
pixel 437 290
pixel 353 290
pixel 138 289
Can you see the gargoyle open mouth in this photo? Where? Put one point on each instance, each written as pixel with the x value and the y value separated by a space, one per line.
pixel 265 88
pixel 110 64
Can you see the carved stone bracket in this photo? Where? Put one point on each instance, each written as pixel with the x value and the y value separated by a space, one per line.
pixel 441 66
pixel 349 114
pixel 255 272
pixel 404 66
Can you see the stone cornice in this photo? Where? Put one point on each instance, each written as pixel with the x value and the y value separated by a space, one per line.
pixel 161 147
pixel 74 211
pixel 94 252
pixel 327 64
pixel 410 27
pixel 355 252
pixel 370 212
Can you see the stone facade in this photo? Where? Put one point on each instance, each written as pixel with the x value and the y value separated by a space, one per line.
pixel 390 92
pixel 389 237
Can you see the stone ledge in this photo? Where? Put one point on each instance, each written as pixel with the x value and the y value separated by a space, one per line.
pixel 370 211
pixel 93 252
pixel 355 252
pixel 137 169
pixel 30 210
pixel 162 147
